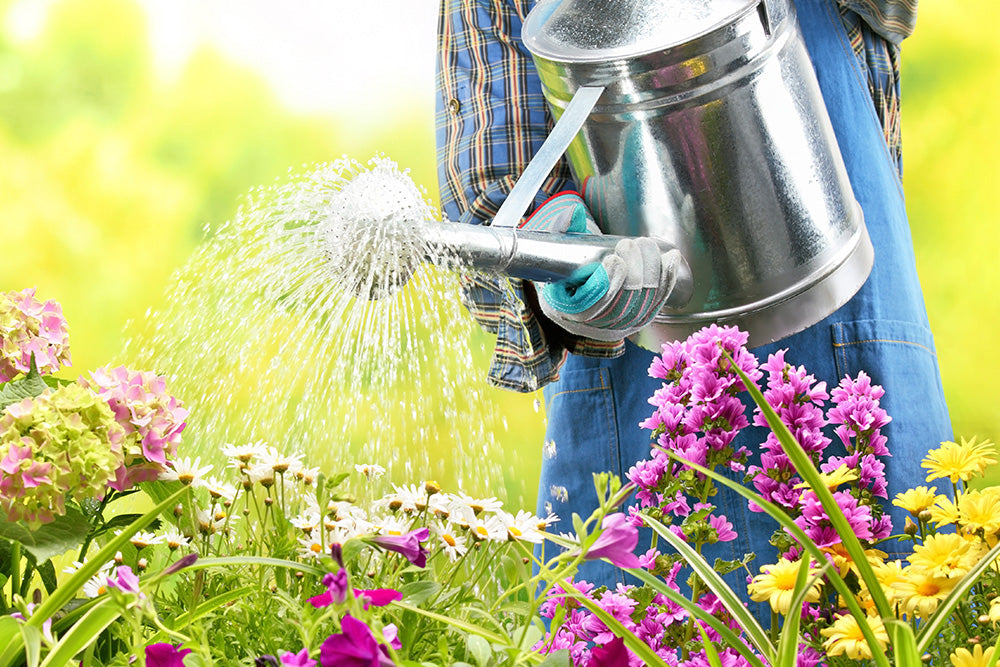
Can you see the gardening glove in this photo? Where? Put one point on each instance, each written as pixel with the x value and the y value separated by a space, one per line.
pixel 614 298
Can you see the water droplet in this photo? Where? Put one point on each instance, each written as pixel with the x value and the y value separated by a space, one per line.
pixel 549 449
pixel 559 493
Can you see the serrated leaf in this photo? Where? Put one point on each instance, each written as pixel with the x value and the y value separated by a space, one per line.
pixel 51 539
pixel 29 386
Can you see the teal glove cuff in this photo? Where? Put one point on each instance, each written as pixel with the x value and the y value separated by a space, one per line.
pixel 582 290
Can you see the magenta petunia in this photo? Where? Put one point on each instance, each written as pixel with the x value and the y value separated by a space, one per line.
pixel 353 646
pixel 617 542
pixel 377 597
pixel 300 659
pixel 612 654
pixel 336 590
pixel 165 655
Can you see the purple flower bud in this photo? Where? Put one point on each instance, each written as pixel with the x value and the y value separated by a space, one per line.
pixel 616 542
pixel 407 544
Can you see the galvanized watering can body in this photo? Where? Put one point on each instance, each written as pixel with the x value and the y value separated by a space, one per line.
pixel 712 135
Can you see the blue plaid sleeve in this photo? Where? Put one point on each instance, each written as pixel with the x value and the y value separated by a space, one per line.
pixel 491 118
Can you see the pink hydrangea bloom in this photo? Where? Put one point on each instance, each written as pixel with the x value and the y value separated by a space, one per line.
pixel 153 420
pixel 29 328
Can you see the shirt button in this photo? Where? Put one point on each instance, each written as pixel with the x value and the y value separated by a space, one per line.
pixel 454 105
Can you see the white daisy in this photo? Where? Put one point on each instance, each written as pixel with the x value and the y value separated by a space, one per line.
pixel 371 471
pixel 186 471
pixel 311 546
pixel 141 540
pixel 220 490
pixel 488 528
pixel 280 463
pixel 306 522
pixel 466 503
pixel 523 527
pixel 452 543
pixel 241 455
pixel 175 540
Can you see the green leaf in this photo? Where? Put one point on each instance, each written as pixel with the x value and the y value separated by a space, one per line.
pixel 479 649
pixel 904 644
pixel 47 572
pixel 558 658
pixel 418 592
pixel 51 539
pixel 32 644
pixel 211 605
pixel 29 386
pixel 711 654
pixel 83 634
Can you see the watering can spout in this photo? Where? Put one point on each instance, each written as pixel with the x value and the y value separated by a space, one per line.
pixel 535 256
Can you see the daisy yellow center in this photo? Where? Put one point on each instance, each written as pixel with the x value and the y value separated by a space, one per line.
pixel 448 539
pixel 928 588
pixel 315 548
pixel 514 531
pixel 481 530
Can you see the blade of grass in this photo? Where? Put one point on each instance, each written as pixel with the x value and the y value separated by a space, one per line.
pixel 716 584
pixel 804 466
pixel 788 644
pixel 904 644
pixel 634 644
pixel 725 633
pixel 65 592
pixel 83 633
pixel 800 536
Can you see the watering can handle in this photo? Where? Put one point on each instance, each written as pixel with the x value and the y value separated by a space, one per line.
pixel 562 135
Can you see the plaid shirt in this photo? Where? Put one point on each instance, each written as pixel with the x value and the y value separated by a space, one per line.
pixel 491 118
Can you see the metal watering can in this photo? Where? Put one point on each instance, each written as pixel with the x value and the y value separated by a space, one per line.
pixel 701 124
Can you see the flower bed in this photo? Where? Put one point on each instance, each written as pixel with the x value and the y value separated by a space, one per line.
pixel 271 562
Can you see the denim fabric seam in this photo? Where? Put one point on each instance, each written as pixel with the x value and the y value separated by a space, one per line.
pixel 884 340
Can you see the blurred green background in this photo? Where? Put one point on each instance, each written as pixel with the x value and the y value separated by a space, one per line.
pixel 109 175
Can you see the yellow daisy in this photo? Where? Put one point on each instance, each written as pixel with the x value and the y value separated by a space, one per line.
pixel 776 584
pixel 980 511
pixel 834 478
pixel 959 461
pixel 977 657
pixel 947 555
pixel 944 512
pixel 888 573
pixel 916 500
pixel 920 593
pixel 844 637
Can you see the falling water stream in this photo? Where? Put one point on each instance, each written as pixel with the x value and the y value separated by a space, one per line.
pixel 312 321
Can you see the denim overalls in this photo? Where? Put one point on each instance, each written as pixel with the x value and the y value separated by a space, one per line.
pixel 596 406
